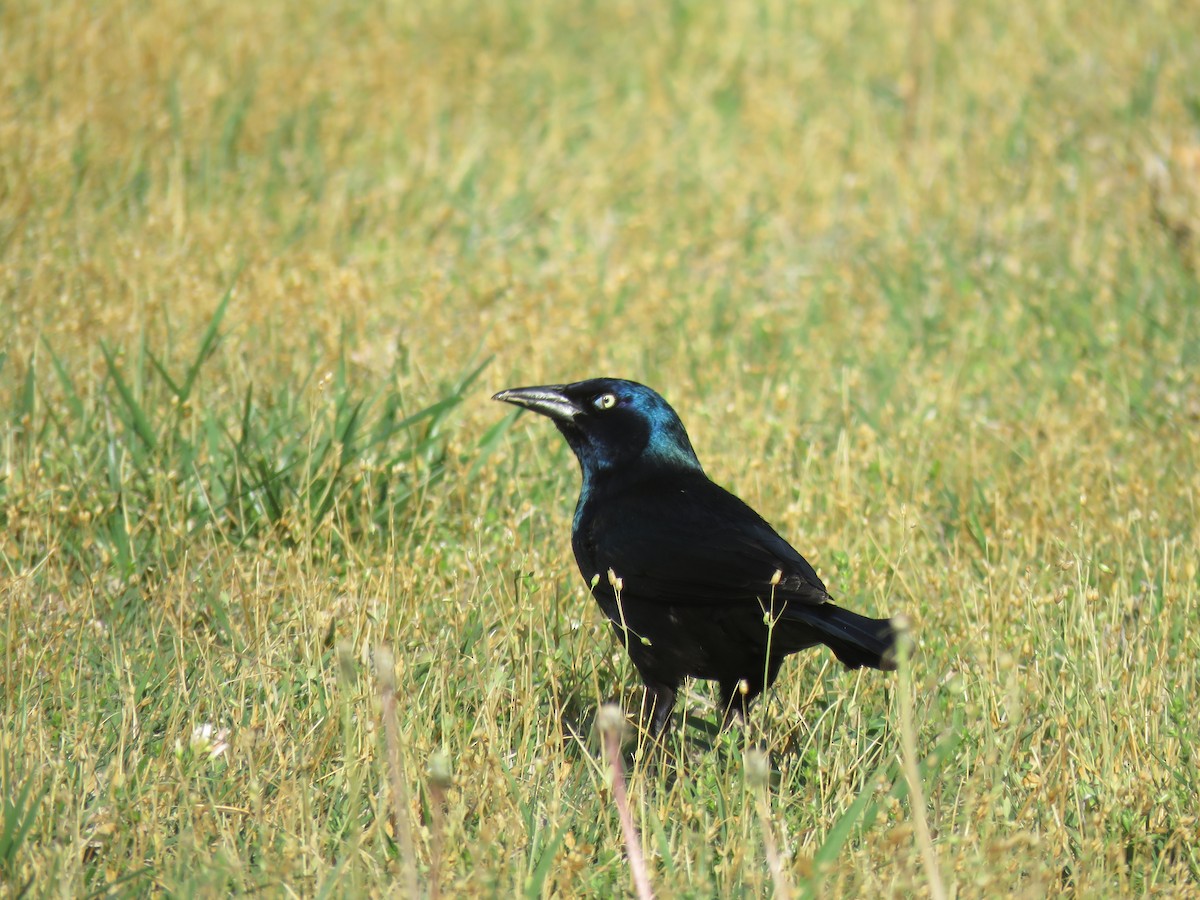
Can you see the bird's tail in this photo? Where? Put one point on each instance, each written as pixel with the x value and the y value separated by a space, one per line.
pixel 855 640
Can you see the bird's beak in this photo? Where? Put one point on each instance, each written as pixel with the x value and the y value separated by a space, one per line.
pixel 549 400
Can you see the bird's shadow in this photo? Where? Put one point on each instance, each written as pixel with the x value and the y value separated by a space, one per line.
pixel 691 737
pixel 694 736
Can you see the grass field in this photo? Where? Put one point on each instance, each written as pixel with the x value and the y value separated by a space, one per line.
pixel 921 279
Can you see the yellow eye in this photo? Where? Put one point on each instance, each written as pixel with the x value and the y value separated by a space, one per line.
pixel 605 401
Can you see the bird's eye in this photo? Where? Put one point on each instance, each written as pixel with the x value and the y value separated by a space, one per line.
pixel 605 401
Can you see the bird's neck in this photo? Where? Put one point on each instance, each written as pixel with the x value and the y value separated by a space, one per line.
pixel 606 481
pixel 601 485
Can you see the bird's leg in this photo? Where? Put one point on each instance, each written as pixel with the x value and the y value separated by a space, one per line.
pixel 736 695
pixel 657 704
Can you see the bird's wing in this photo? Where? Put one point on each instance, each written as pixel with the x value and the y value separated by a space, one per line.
pixel 692 542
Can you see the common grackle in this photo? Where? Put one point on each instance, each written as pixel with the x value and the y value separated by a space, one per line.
pixel 694 581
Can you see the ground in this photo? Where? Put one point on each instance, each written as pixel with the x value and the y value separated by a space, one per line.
pixel 920 279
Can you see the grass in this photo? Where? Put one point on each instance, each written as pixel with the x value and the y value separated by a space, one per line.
pixel 900 267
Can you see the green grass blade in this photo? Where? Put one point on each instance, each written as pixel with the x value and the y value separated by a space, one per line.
pixel 212 334
pixel 165 375
pixel 137 416
pixel 20 808
pixel 535 883
pixel 67 383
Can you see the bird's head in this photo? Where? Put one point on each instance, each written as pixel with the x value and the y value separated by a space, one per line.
pixel 611 423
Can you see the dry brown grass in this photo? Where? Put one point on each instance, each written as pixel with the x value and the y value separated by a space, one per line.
pixel 897 265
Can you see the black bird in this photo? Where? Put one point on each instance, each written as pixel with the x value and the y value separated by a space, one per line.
pixel 694 581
